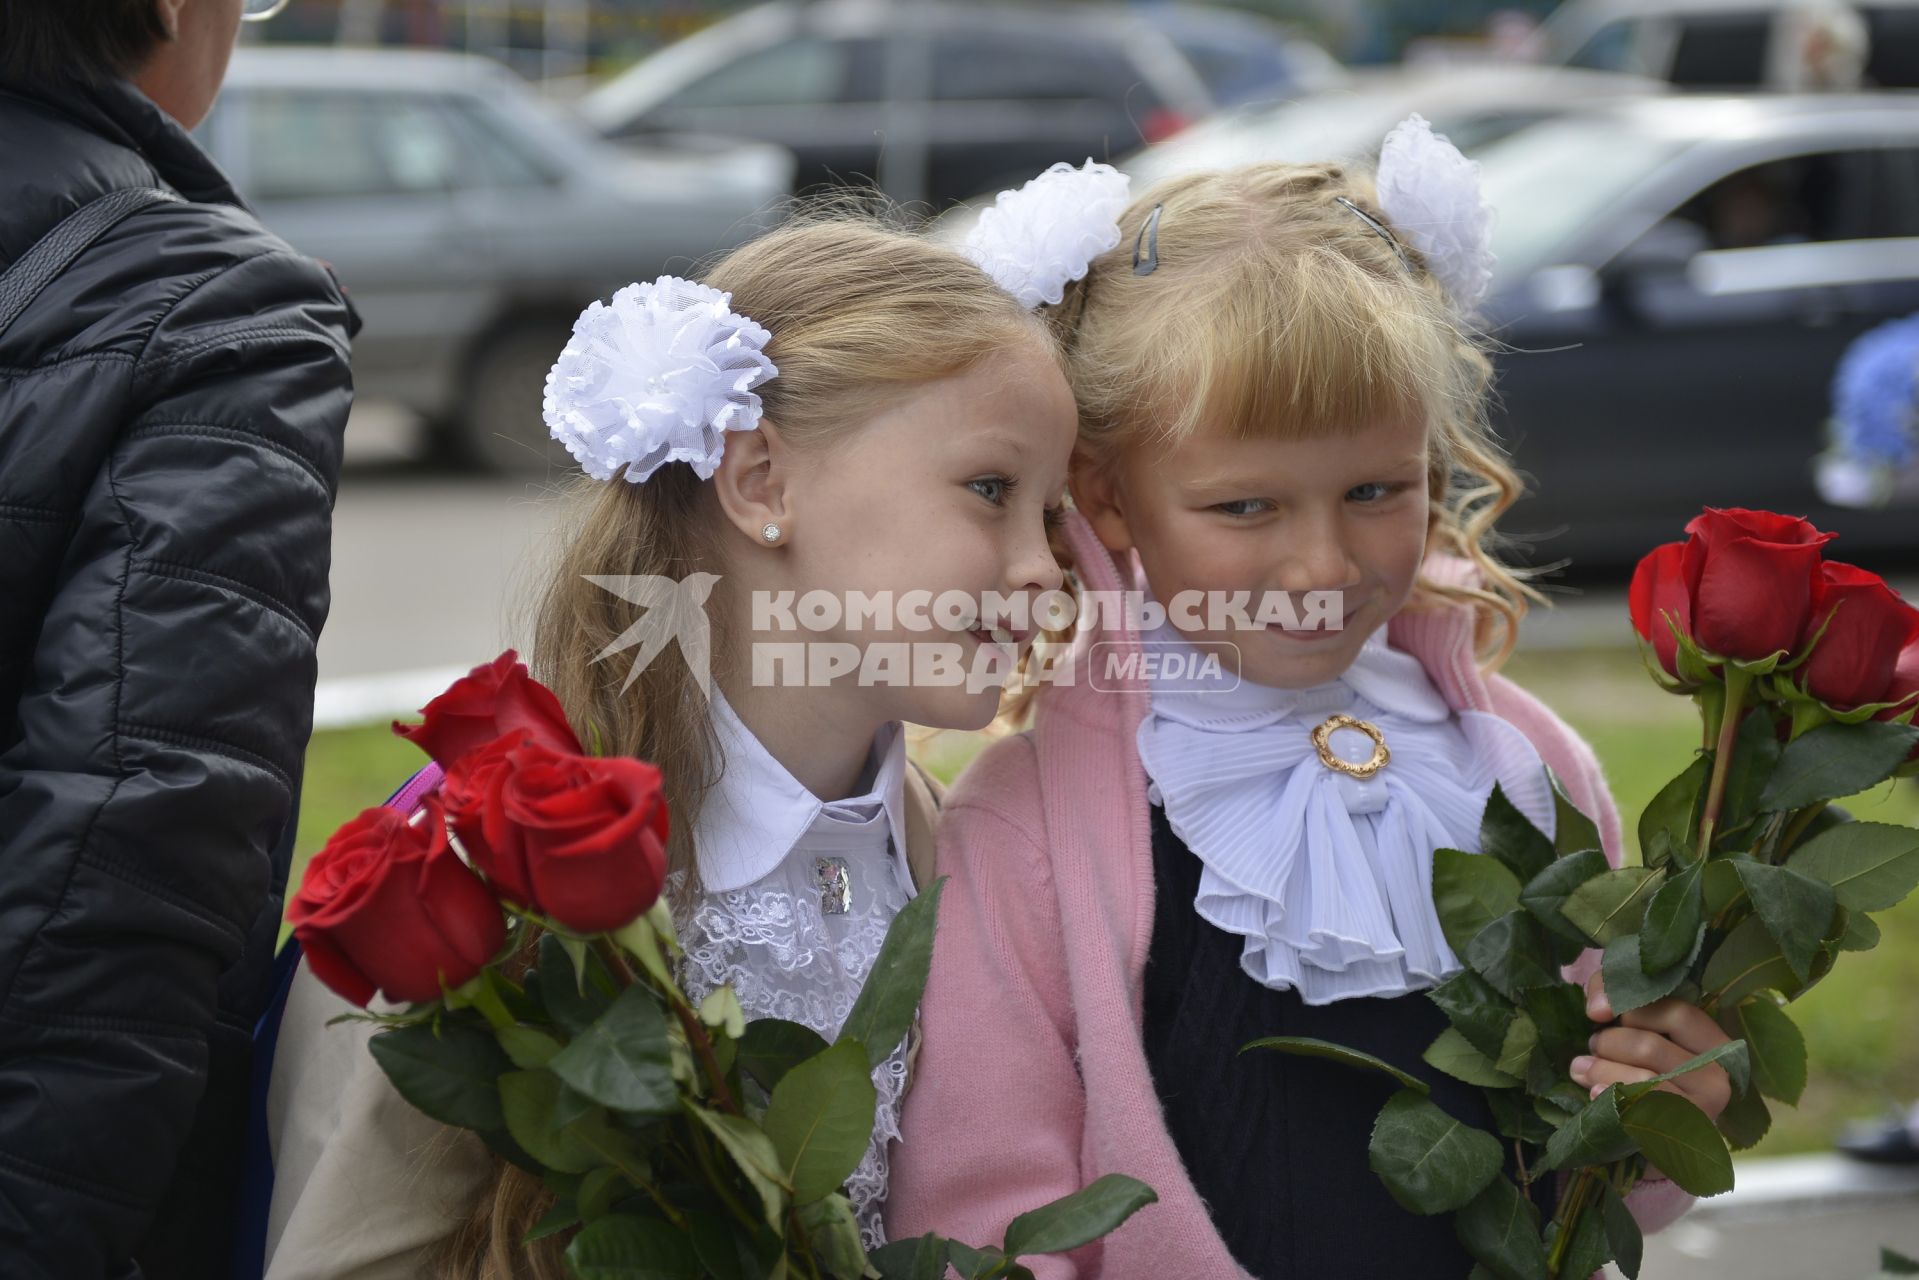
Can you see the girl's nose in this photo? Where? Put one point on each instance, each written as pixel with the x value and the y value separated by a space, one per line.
pixel 1032 566
pixel 1313 557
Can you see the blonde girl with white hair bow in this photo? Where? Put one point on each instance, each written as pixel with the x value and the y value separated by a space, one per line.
pixel 1221 826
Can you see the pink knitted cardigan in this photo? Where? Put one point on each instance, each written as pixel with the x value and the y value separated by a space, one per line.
pixel 1032 1081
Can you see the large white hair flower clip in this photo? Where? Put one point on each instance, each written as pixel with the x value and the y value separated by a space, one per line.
pixel 1033 240
pixel 1430 193
pixel 659 375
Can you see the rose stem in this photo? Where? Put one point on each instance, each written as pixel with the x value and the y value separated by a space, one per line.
pixel 1737 682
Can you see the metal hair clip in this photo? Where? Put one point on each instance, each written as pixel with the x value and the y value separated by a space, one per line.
pixel 1379 228
pixel 1148 236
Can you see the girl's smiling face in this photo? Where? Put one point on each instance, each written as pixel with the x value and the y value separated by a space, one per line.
pixel 950 489
pixel 1346 512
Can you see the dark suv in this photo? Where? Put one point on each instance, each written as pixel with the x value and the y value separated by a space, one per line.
pixel 933 101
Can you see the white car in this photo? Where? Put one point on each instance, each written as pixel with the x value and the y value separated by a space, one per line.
pixel 470 220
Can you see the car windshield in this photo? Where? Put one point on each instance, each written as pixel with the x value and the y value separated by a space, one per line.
pixel 1549 182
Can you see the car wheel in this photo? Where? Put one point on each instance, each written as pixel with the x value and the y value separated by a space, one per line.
pixel 500 426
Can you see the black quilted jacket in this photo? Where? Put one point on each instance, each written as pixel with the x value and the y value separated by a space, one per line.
pixel 171 411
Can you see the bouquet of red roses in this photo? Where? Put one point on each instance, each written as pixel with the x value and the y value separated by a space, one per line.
pixel 1748 888
pixel 678 1140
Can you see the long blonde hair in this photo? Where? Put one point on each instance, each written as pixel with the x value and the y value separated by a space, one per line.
pixel 859 314
pixel 1279 312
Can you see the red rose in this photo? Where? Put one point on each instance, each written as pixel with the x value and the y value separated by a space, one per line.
pixel 1903 685
pixel 1751 575
pixel 388 906
pixel 1852 663
pixel 476 810
pixel 1658 590
pixel 592 833
pixel 485 703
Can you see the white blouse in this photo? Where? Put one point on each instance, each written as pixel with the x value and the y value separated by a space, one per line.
pixel 1328 877
pixel 795 897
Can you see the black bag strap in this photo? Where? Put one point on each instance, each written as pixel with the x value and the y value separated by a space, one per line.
pixel 57 250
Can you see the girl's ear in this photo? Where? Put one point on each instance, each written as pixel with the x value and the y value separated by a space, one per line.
pixel 1096 494
pixel 752 481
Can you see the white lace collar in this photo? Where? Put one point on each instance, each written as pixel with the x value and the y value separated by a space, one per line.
pixel 758 813
pixel 1328 877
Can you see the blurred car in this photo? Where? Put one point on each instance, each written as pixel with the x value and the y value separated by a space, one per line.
pixel 1348 122
pixel 469 220
pixel 1729 44
pixel 1677 279
pixel 935 101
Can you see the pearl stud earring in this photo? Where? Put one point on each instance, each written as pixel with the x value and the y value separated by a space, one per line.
pixel 771 532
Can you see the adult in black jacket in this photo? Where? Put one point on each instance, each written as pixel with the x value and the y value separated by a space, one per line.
pixel 171 409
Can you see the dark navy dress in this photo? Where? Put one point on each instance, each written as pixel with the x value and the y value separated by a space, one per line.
pixel 1275 1143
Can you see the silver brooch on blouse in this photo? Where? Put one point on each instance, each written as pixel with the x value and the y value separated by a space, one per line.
pixel 835 885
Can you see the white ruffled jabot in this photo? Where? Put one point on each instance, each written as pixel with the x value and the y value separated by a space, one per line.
pixel 1328 877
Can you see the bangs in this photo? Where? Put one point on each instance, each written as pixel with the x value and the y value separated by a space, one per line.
pixel 1304 348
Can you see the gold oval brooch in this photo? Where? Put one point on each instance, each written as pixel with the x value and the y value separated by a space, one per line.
pixel 1322 743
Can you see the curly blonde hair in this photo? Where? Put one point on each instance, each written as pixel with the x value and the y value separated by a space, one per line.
pixel 1277 310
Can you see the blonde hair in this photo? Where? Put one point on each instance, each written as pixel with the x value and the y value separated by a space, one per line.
pixel 859 315
pixel 1276 310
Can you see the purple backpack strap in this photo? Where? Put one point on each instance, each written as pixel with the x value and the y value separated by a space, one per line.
pixel 416 789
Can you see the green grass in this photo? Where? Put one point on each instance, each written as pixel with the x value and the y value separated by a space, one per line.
pixel 1861 1023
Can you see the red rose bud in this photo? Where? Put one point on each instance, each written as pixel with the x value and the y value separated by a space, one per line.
pixel 593 832
pixel 476 811
pixel 1752 576
pixel 488 701
pixel 1866 626
pixel 1903 689
pixel 388 906
pixel 1658 590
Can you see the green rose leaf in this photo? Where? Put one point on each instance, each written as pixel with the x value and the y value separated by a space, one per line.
pixel 1778 1049
pixel 1515 1116
pixel 749 1148
pixel 821 1119
pixel 1470 891
pixel 1720 884
pixel 1479 1012
pixel 1731 1057
pixel 623 1060
pixel 1454 1054
pixel 1546 893
pixel 1870 865
pixel 1587 1251
pixel 1430 1162
pixel 1559 1012
pixel 1678 1138
pixel 1894 1263
pixel 1623 1238
pixel 1860 934
pixel 1676 809
pixel 1080 1218
pixel 570 1000
pixel 883 1013
pixel 772 1047
pixel 1746 961
pixel 1745 1120
pixel 1837 760
pixel 1508 835
pixel 1755 753
pixel 1513 954
pixel 599 1190
pixel 1522 1037
pixel 528 1047
pixel 1672 921
pixel 1307 1047
pixel 1628 985
pixel 1794 907
pixel 834 1232
pixel 624 1247
pixel 530 1100
pixel 1611 903
pixel 727 1252
pixel 452 1075
pixel 920 1258
pixel 1500 1229
pixel 1572 829
pixel 1593 1136
pixel 563 1216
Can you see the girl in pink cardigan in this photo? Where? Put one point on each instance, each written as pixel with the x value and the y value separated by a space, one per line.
pixel 1220 826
